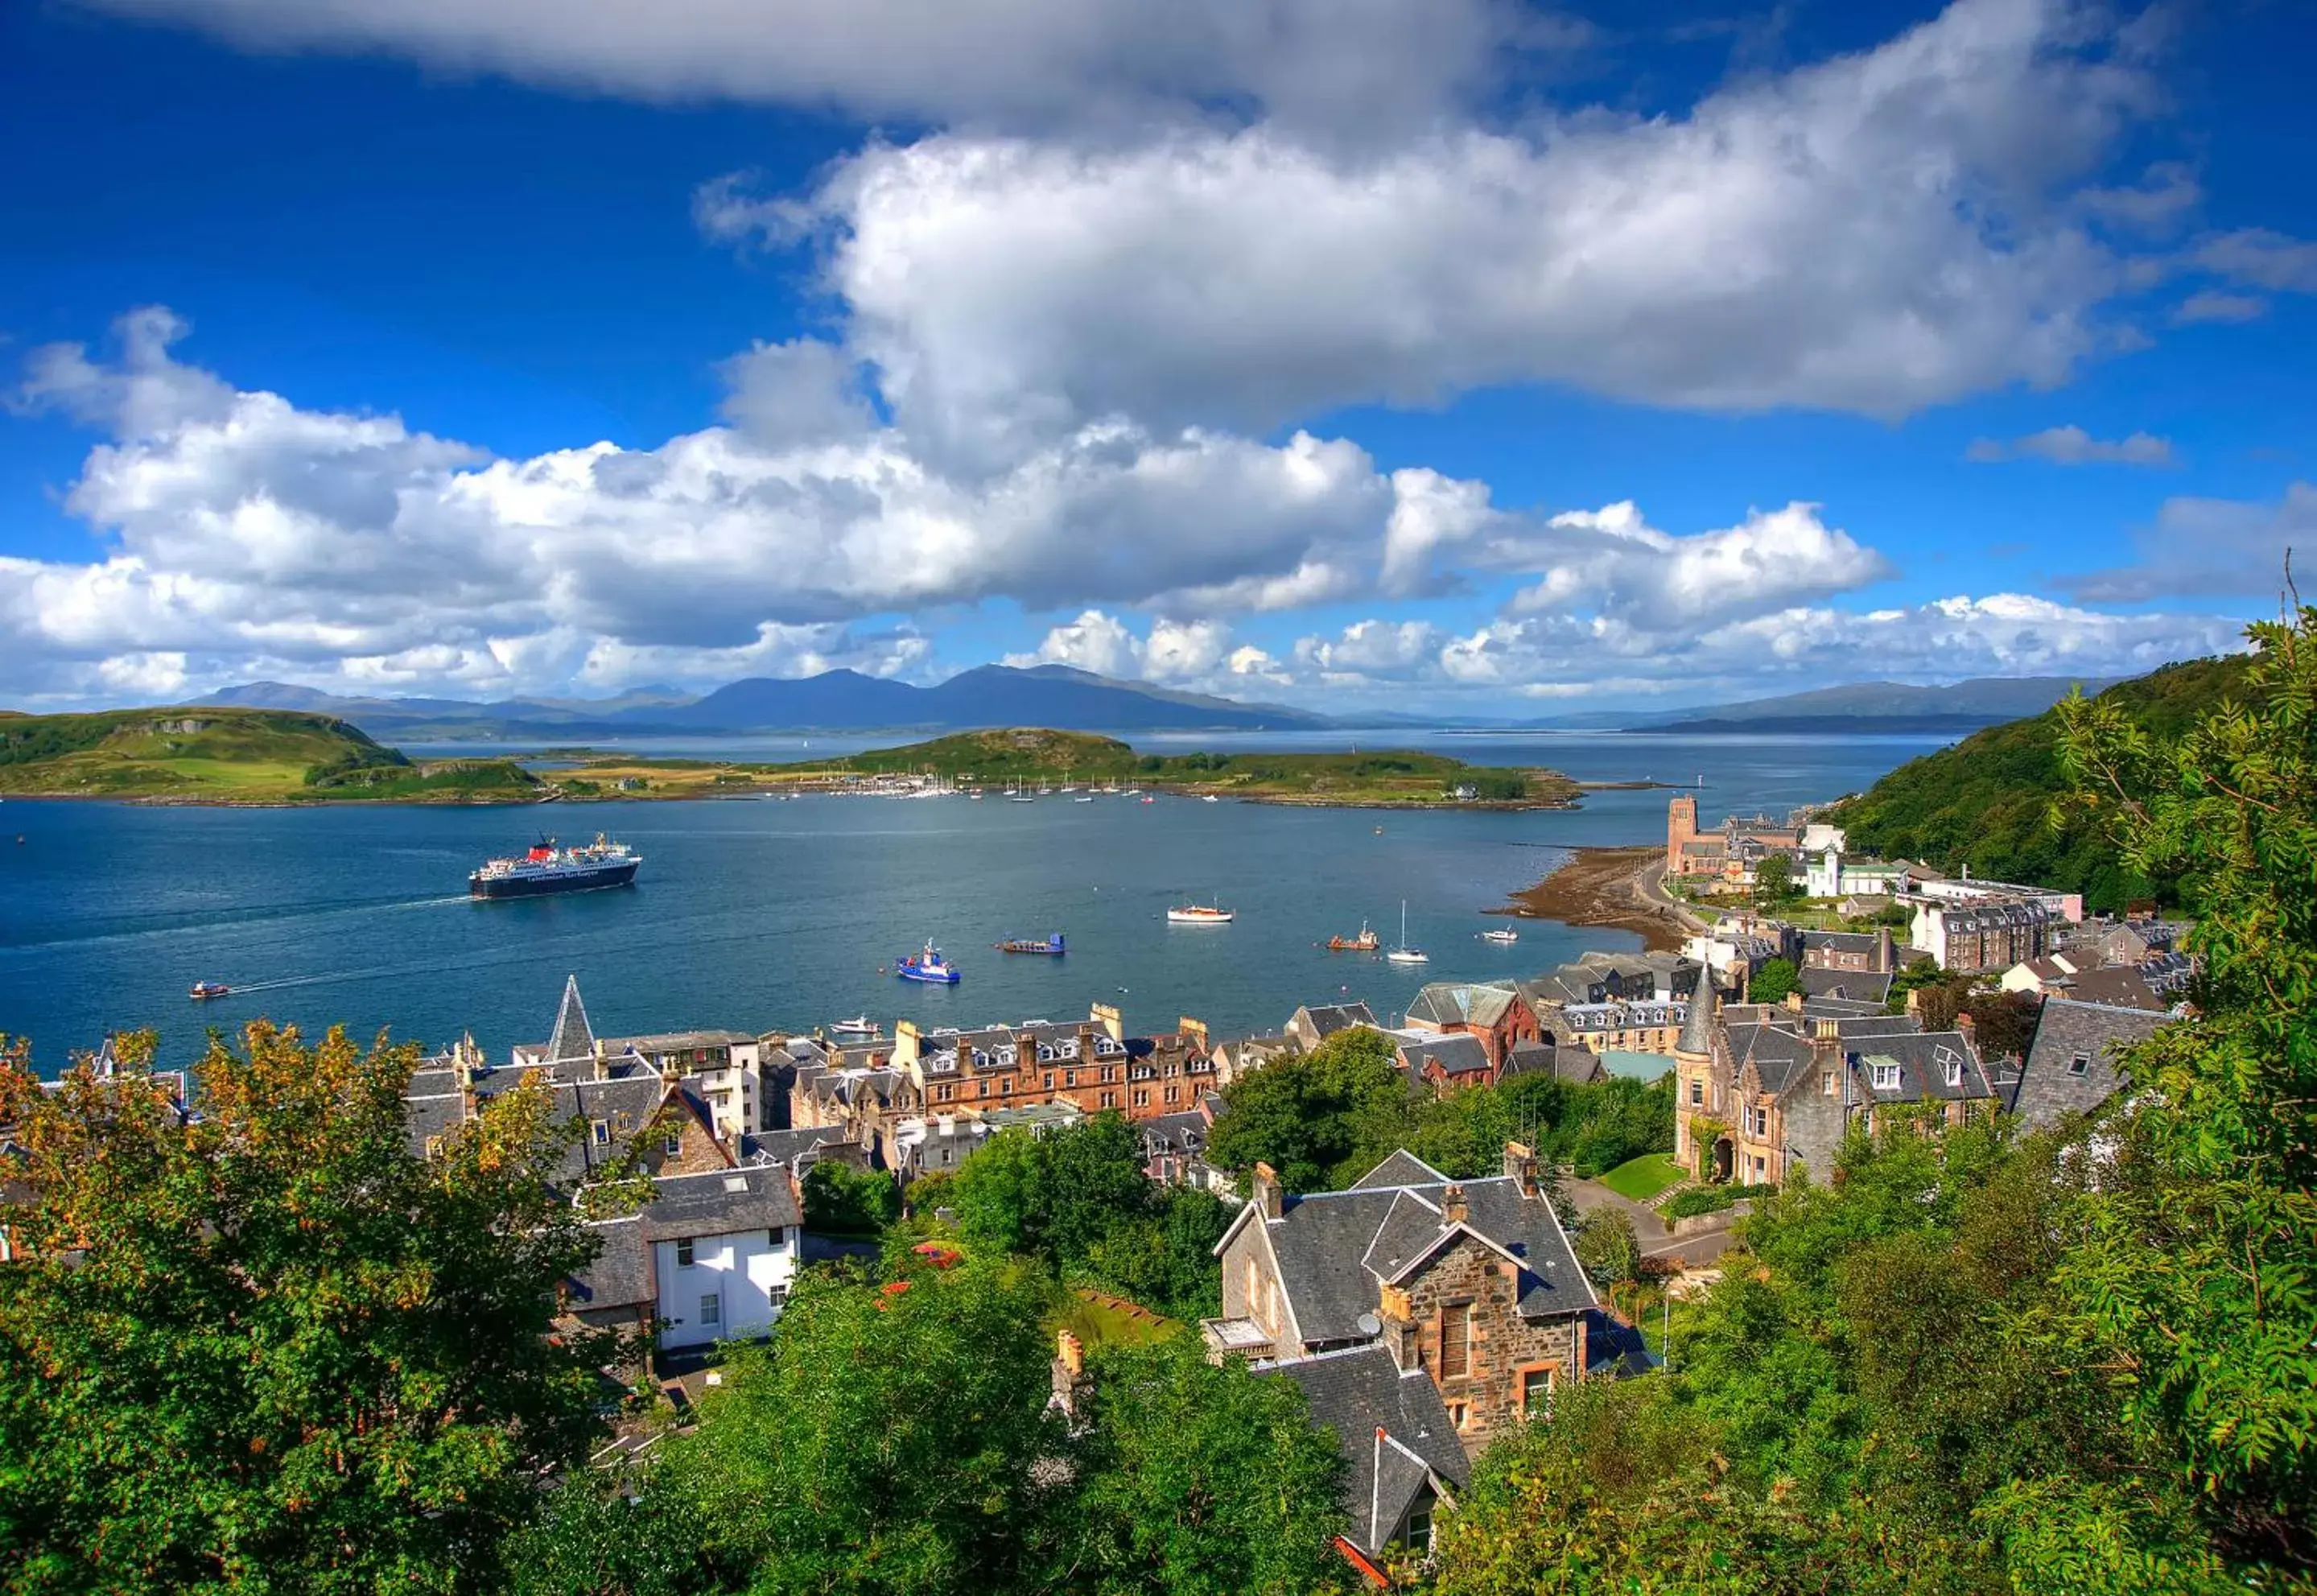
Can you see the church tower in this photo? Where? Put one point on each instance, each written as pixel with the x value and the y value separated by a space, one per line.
pixel 1681 826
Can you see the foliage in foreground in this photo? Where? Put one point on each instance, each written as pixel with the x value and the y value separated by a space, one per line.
pixel 270 1350
pixel 896 1437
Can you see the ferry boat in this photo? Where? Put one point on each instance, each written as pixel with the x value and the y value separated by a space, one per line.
pixel 548 868
pixel 205 989
pixel 1503 936
pixel 1367 941
pixel 1052 944
pixel 928 966
pixel 1198 914
pixel 861 1028
pixel 1403 953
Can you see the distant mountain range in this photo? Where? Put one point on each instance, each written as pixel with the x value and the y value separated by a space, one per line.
pixel 1070 700
pixel 1881 706
pixel 1053 695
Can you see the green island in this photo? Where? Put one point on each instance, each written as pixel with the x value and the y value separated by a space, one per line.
pixel 235 755
pixel 1385 777
pixel 1988 802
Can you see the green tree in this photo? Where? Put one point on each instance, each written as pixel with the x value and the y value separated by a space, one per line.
pixel 1774 880
pixel 2193 1278
pixel 1607 1248
pixel 1311 1117
pixel 840 1200
pixel 892 1438
pixel 270 1350
pixel 1772 982
pixel 1203 1480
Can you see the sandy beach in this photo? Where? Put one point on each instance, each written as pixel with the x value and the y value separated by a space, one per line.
pixel 1607 886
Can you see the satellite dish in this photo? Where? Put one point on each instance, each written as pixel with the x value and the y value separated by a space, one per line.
pixel 1370 1324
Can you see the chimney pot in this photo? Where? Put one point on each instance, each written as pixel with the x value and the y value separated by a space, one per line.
pixel 1520 1165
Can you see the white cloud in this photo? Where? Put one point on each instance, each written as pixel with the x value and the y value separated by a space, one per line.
pixel 1340 63
pixel 2072 445
pixel 2209 547
pixel 1094 642
pixel 1877 233
pixel 2209 305
pixel 1373 648
pixel 2262 258
pixel 242 528
pixel 1183 653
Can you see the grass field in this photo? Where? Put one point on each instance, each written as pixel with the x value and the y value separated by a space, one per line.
pixel 1639 1180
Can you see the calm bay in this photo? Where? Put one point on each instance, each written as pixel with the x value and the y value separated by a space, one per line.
pixel 758 914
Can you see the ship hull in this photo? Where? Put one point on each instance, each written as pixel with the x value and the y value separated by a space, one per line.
pixel 542 886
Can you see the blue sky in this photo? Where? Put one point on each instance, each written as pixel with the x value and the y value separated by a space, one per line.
pixel 1425 353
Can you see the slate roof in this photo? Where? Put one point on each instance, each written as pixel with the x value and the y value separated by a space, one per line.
pixel 1444 1003
pixel 1184 1133
pixel 621 1274
pixel 1357 1392
pixel 2050 1087
pixel 786 1147
pixel 1852 942
pixel 1452 1053
pixel 1923 1061
pixel 2122 988
pixel 1697 1025
pixel 1841 1008
pixel 1320 1241
pixel 719 1203
pixel 1577 1065
pixel 1328 1018
pixel 1863 985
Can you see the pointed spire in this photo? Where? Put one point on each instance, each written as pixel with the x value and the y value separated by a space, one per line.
pixel 573 1042
pixel 1697 1025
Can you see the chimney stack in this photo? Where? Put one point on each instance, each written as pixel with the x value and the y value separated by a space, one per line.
pixel 1520 1166
pixel 1266 1195
pixel 1072 1384
pixel 1795 1000
pixel 1884 964
pixel 1453 1210
pixel 1826 1030
pixel 1969 1027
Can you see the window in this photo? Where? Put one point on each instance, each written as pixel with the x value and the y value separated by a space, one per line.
pixel 776 1296
pixel 673 1145
pixel 1069 1078
pixel 712 1308
pixel 1954 1071
pixel 1886 1077
pixel 1696 1094
pixel 1418 1536
pixel 775 1238
pixel 1459 1414
pixel 1536 1391
pixel 1050 1081
pixel 684 1252
pixel 2079 1064
pixel 1110 1099
pixel 1142 1098
pixel 600 1130
pixel 1826 1082
pixel 1456 1342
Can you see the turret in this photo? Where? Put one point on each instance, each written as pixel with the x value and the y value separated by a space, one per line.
pixel 1697 1040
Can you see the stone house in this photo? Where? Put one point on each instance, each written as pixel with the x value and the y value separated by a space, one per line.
pixel 1403 1461
pixel 1472 1283
pixel 1870 952
pixel 1313 1023
pixel 1764 1090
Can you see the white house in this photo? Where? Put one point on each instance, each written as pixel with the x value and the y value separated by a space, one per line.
pixel 710 1258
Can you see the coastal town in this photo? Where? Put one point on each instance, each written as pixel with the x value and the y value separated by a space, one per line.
pixel 1423 1313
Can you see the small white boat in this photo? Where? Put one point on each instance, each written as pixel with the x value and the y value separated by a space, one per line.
pixel 1087 798
pixel 860 1025
pixel 1198 914
pixel 1210 798
pixel 1403 953
pixel 1503 937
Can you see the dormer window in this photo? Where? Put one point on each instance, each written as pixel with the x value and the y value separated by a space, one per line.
pixel 1885 1077
pixel 1954 1071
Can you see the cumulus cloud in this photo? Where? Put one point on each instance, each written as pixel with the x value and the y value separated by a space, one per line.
pixel 1336 63
pixel 1185 653
pixel 240 526
pixel 2072 445
pixel 2209 547
pixel 1876 233
pixel 2262 258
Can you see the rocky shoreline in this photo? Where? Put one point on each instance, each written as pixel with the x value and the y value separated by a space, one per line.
pixel 1612 887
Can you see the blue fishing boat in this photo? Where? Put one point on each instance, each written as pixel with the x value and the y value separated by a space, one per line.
pixel 927 967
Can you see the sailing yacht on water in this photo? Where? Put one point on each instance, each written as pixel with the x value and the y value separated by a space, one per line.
pixel 1403 953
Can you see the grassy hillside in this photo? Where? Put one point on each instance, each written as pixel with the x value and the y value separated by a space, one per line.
pixel 228 755
pixel 1387 777
pixel 1986 802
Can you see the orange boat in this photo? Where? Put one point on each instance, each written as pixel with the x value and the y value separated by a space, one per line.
pixel 1367 941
